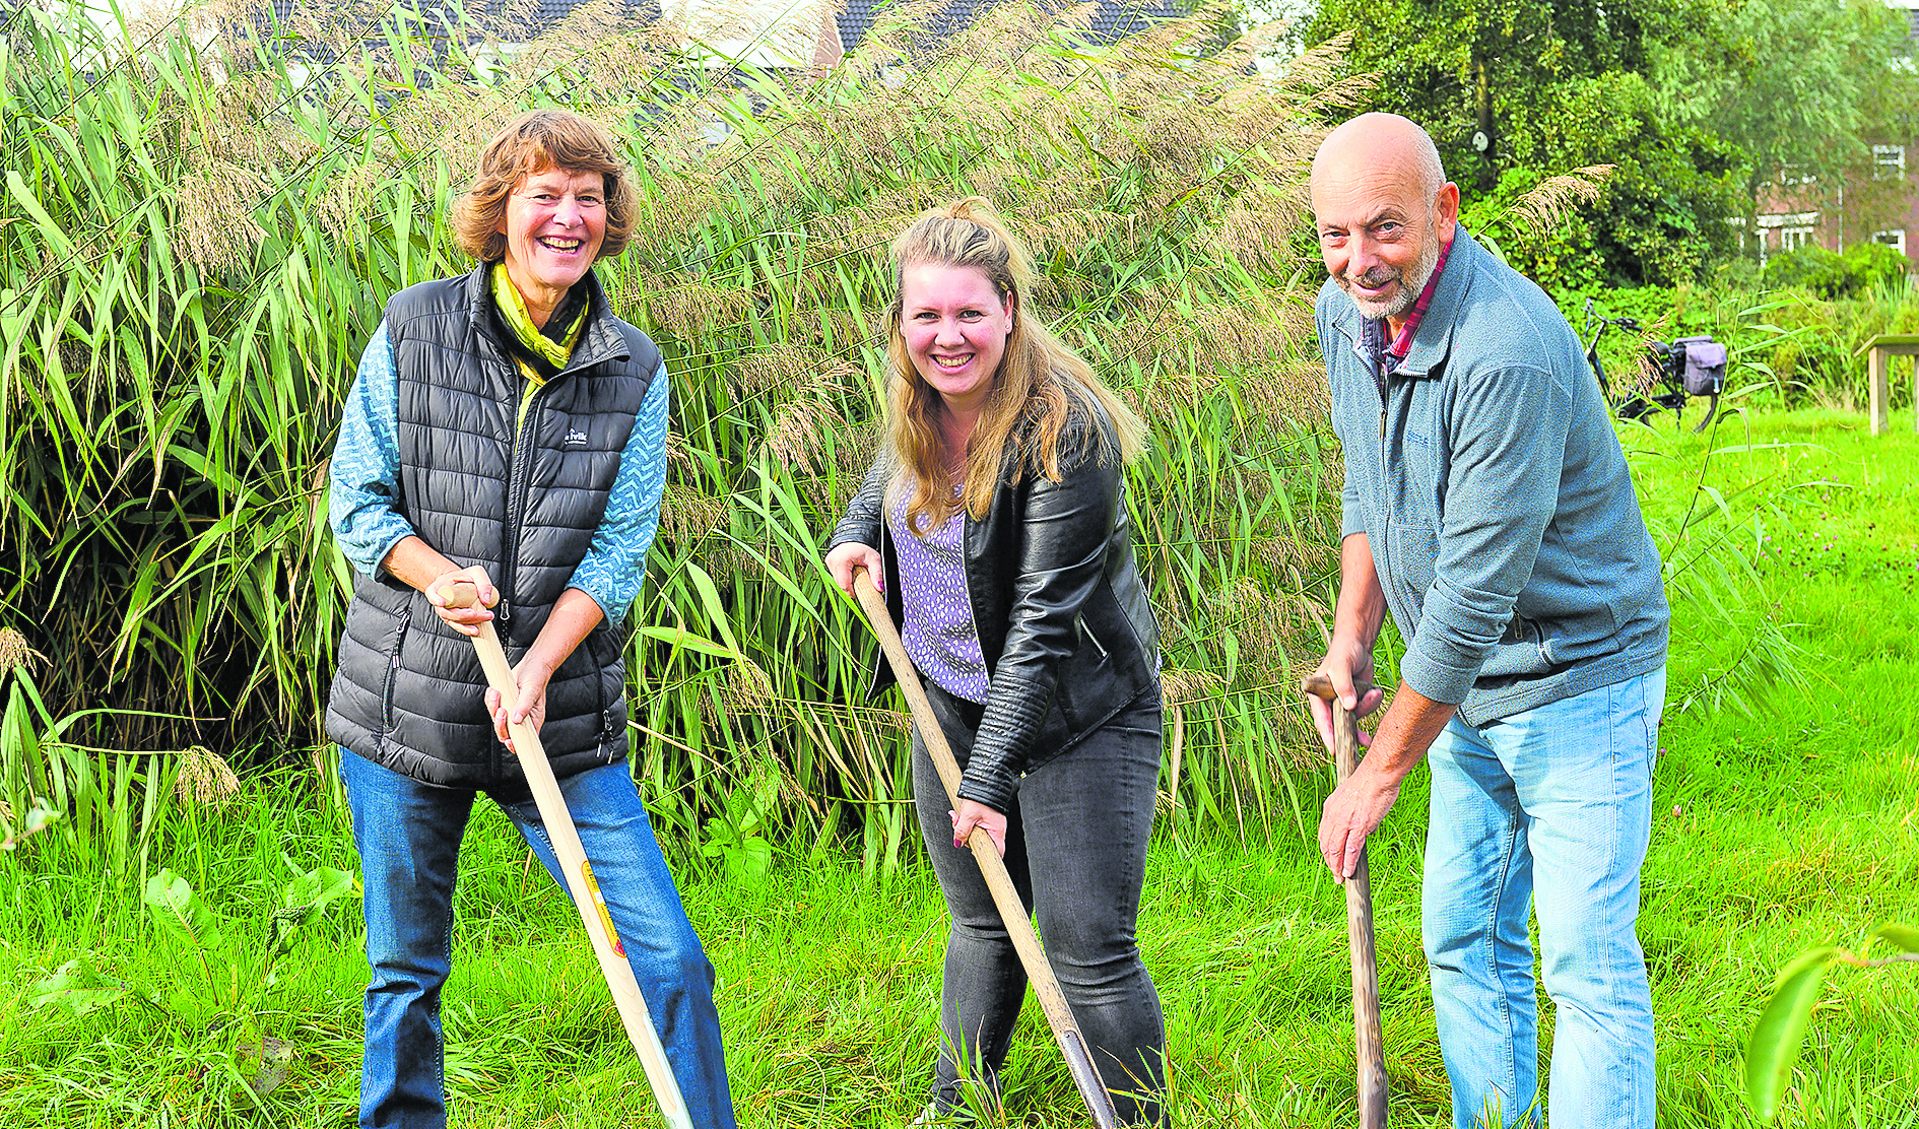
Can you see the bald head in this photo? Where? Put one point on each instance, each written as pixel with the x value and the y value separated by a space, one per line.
pixel 1393 146
pixel 1384 209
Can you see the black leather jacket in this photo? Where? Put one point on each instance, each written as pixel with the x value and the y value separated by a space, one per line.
pixel 1064 621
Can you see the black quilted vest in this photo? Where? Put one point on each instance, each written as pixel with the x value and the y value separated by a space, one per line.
pixel 408 692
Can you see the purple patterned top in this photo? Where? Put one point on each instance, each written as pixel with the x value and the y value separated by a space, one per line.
pixel 938 631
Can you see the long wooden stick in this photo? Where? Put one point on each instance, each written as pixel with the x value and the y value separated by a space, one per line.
pixel 1369 1046
pixel 585 891
pixel 1059 1015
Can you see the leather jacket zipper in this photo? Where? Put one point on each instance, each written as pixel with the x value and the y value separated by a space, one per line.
pixel 1094 640
pixel 518 478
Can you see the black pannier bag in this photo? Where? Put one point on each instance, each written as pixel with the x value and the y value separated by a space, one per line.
pixel 1703 369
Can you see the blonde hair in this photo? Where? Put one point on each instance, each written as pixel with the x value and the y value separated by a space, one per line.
pixel 1041 383
pixel 528 145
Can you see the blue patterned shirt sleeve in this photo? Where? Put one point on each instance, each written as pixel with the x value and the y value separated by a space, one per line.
pixel 363 478
pixel 615 564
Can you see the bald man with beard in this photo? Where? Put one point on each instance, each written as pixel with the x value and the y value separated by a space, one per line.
pixel 1488 507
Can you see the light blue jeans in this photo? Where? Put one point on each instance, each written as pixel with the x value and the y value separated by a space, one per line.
pixel 1548 809
pixel 408 834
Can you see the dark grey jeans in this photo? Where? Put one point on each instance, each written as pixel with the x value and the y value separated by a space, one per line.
pixel 1076 849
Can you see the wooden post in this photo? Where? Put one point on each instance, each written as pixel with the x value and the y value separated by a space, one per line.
pixel 1879 402
pixel 1879 354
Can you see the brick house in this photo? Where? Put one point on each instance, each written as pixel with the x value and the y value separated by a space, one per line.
pixel 1879 202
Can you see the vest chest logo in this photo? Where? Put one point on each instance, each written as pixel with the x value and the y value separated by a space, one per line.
pixel 574 438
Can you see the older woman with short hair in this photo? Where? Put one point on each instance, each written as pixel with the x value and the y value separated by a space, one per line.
pixel 507 431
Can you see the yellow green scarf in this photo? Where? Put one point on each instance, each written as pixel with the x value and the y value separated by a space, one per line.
pixel 513 311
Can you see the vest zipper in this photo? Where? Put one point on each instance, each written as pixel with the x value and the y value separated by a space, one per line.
pixel 519 458
pixel 393 671
pixel 606 704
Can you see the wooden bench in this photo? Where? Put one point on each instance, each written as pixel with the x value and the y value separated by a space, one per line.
pixel 1881 350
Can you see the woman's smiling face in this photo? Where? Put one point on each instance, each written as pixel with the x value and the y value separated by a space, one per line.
pixel 955 327
pixel 554 224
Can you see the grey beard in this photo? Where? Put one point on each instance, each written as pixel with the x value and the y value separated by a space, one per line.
pixel 1410 288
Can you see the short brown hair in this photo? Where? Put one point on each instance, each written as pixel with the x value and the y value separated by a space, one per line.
pixel 530 144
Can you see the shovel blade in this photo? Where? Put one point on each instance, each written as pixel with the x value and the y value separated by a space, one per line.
pixel 1080 1064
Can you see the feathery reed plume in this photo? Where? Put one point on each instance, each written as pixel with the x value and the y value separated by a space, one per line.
pixel 1259 619
pixel 205 778
pixel 680 455
pixel 692 310
pixel 15 654
pixel 747 689
pixel 687 516
pixel 215 206
pixel 780 369
pixel 347 202
pixel 803 432
pixel 1180 687
pixel 1552 200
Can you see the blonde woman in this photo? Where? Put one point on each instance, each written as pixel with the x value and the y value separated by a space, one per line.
pixel 995 522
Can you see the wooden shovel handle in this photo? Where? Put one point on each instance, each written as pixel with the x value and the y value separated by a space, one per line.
pixel 580 883
pixel 1369 1045
pixel 1052 1001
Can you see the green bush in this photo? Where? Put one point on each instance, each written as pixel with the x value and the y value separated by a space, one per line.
pixel 1808 268
pixel 1862 269
pixel 1874 266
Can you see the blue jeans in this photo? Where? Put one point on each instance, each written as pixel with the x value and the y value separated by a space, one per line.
pixel 408 834
pixel 1551 807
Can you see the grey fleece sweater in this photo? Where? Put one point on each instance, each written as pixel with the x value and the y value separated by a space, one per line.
pixel 1495 498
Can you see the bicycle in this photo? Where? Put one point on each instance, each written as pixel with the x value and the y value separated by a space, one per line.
pixel 1687 368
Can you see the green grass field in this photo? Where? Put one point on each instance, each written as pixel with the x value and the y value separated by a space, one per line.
pixel 1796 826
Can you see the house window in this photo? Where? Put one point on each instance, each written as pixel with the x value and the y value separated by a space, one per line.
pixel 1889 162
pixel 1793 238
pixel 1895 239
pixel 1793 230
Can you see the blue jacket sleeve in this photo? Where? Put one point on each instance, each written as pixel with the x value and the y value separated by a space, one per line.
pixel 615 564
pixel 363 477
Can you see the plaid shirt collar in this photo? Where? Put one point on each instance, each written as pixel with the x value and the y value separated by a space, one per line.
pixel 1385 358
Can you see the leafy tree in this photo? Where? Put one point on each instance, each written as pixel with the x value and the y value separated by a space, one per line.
pixel 1516 91
pixel 1801 86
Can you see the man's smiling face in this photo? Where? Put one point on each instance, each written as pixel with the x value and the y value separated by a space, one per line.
pixel 1380 232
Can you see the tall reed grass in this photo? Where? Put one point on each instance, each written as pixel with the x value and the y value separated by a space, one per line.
pixel 200 234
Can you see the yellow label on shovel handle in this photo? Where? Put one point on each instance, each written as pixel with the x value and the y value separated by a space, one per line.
pixel 599 903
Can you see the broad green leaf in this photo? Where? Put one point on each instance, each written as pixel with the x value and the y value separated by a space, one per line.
pixel 710 597
pixel 680 637
pixel 78 988
pixel 54 232
pixel 318 887
pixel 181 913
pixel 1781 1029
pixel 1904 936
